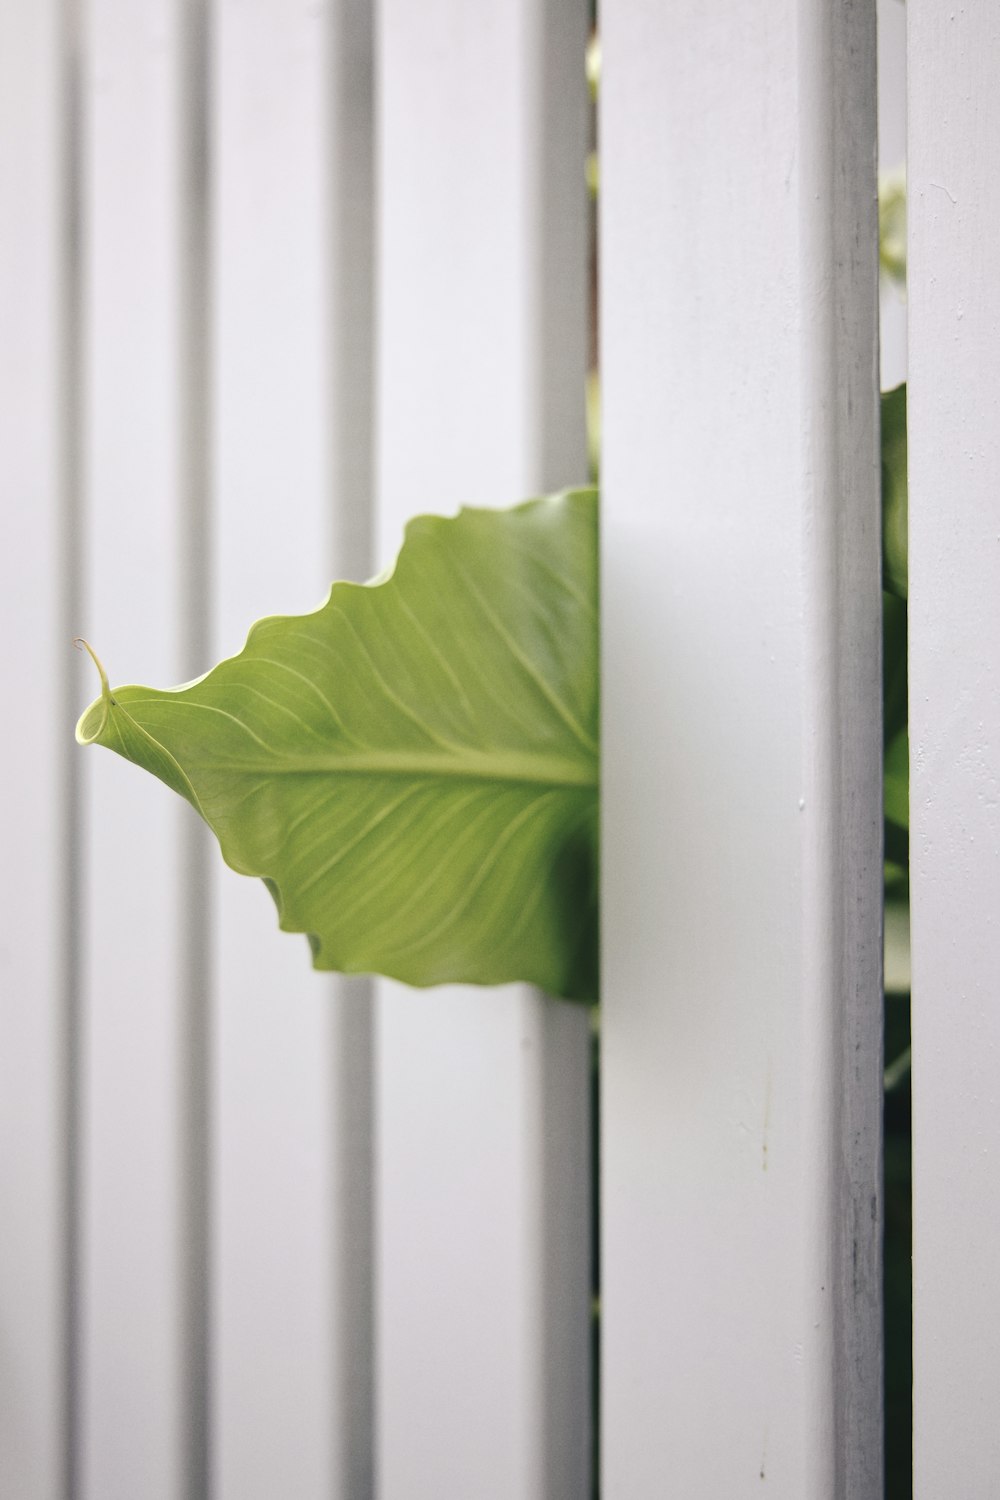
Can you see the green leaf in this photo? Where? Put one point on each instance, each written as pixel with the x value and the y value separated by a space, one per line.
pixel 896 783
pixel 894 492
pixel 896 793
pixel 894 626
pixel 894 666
pixel 413 768
pixel 892 225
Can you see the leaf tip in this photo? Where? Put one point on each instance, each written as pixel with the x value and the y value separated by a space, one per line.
pixel 92 721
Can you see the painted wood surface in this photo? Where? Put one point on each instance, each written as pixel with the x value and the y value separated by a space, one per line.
pixel 954 577
pixel 37 877
pixel 483 1256
pixel 136 1357
pixel 291 1252
pixel 741 758
pixel 187 1302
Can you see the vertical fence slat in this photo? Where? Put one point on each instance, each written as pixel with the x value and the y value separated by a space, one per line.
pixel 291 1336
pixel 133 1357
pixel 482 1263
pixel 741 863
pixel 954 616
pixel 34 949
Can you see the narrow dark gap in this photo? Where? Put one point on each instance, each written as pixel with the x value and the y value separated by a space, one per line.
pixel 897 1264
pixel 595 1258
pixel 897 1177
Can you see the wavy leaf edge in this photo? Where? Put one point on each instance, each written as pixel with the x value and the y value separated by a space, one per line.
pixel 93 723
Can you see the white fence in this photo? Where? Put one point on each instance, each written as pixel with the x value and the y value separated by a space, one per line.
pixel 274 278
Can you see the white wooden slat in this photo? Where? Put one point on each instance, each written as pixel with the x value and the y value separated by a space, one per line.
pixel 741 1073
pixel 482 1214
pixel 954 614
pixel 135 1106
pixel 35 256
pixel 291 1291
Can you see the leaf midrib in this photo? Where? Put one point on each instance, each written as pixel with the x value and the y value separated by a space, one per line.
pixel 526 770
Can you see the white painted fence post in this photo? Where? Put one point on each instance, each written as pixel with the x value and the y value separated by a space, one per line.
pixel 954 613
pixel 741 775
pixel 36 951
pixel 483 1254
pixel 291 102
